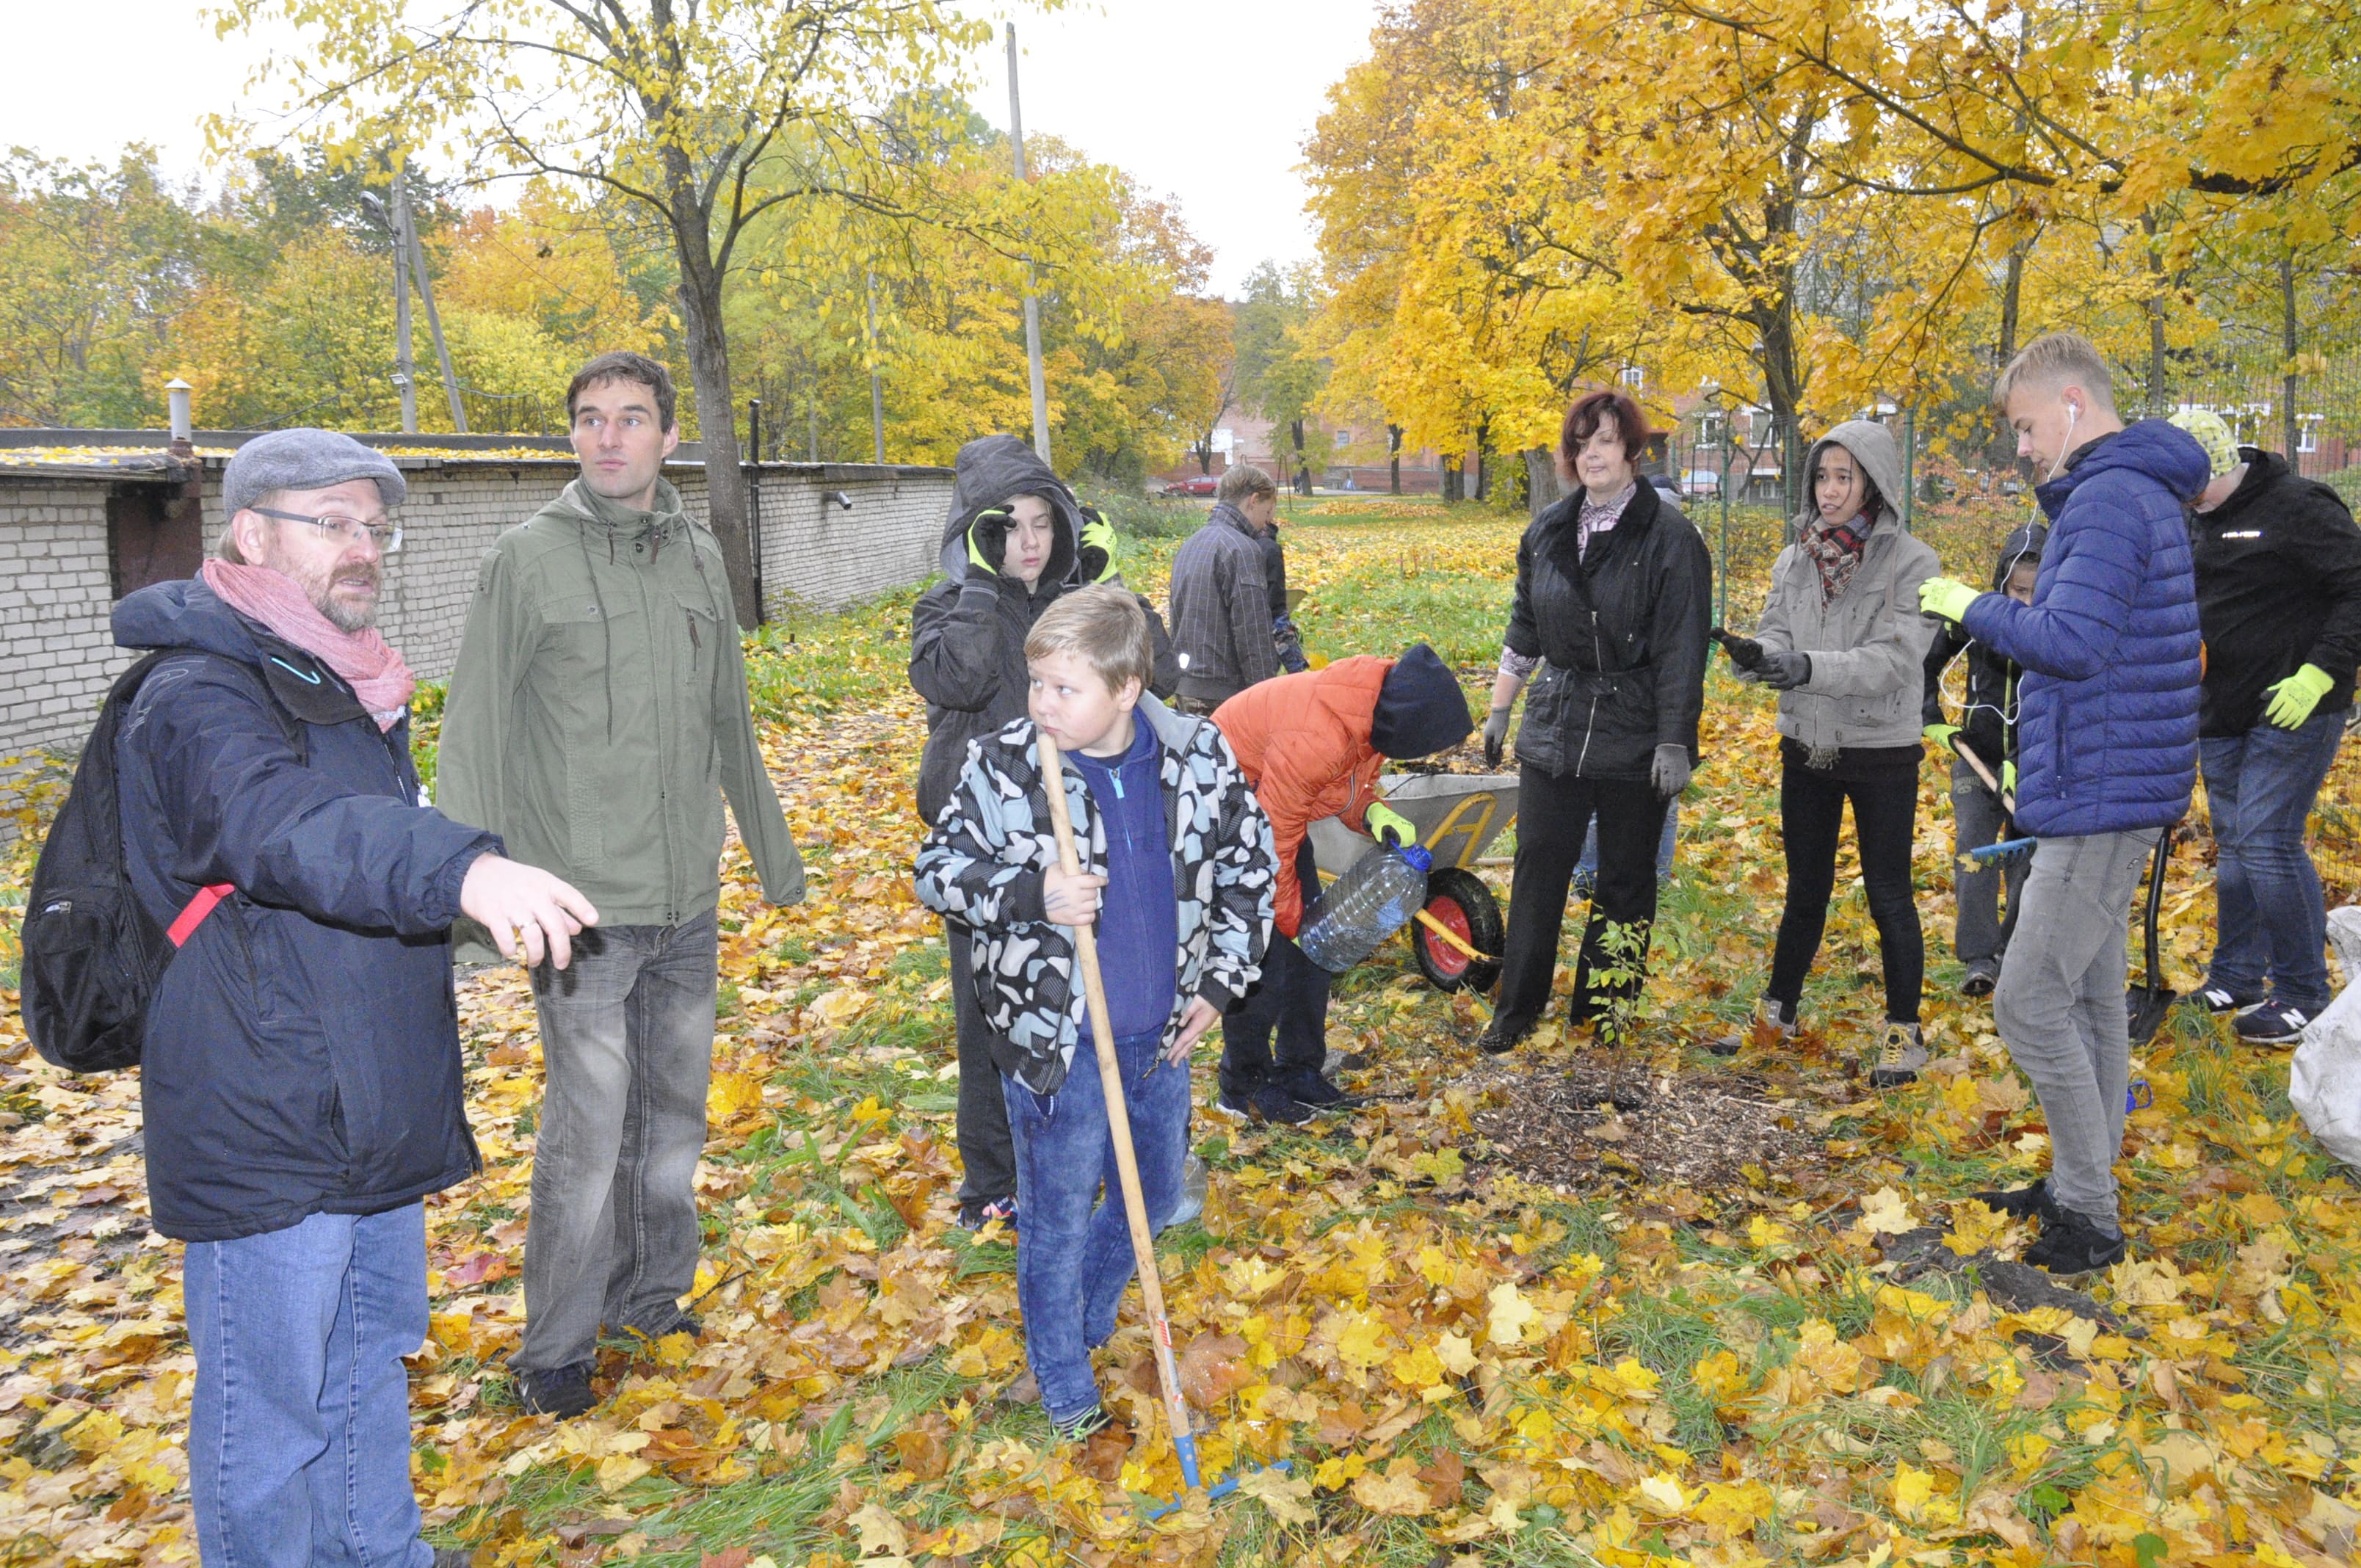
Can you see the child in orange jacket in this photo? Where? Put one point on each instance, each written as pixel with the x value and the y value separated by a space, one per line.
pixel 1310 745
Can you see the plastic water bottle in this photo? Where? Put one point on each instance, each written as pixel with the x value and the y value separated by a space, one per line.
pixel 1369 904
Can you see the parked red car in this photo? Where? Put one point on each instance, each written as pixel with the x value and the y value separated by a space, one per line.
pixel 1195 485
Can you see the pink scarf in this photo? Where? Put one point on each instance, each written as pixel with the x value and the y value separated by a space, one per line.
pixel 365 659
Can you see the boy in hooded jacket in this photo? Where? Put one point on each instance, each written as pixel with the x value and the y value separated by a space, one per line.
pixel 1986 729
pixel 1176 875
pixel 2106 759
pixel 1310 745
pixel 1016 543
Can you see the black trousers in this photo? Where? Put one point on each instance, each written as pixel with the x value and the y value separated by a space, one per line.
pixel 985 1145
pixel 1885 821
pixel 1554 815
pixel 1290 999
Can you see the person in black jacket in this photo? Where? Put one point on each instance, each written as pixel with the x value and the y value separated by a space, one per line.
pixel 301 1079
pixel 1016 541
pixel 1987 728
pixel 2279 596
pixel 1614 590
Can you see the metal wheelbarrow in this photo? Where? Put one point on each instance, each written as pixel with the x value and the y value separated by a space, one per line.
pixel 1458 937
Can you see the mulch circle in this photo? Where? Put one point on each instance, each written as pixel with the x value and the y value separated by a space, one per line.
pixel 1567 1124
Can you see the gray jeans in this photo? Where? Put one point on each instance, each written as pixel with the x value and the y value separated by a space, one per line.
pixel 627 1052
pixel 1978 930
pixel 2060 1006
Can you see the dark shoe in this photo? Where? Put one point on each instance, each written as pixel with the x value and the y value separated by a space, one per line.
pixel 680 1322
pixel 2074 1244
pixel 1982 976
pixel 561 1391
pixel 1079 1429
pixel 1310 1089
pixel 1768 1015
pixel 1500 1038
pixel 975 1216
pixel 1901 1052
pixel 2271 1023
pixel 2218 1000
pixel 1270 1103
pixel 2032 1202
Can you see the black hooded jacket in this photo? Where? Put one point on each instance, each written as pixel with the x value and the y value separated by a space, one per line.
pixel 1990 702
pixel 1623 634
pixel 2278 586
pixel 968 632
pixel 302 1048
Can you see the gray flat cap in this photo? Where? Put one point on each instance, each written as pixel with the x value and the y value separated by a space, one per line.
pixel 305 459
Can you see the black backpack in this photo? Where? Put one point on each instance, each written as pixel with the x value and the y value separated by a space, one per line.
pixel 93 954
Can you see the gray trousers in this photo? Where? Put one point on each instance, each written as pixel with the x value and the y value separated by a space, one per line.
pixel 1978 930
pixel 627 1053
pixel 2060 1006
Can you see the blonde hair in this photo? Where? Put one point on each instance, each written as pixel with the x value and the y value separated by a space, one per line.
pixel 1105 626
pixel 2057 359
pixel 1244 482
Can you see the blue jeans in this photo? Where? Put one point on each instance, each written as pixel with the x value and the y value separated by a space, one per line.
pixel 298 1433
pixel 1073 1251
pixel 2269 923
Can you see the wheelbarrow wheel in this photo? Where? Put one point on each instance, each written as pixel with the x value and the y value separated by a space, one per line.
pixel 1460 903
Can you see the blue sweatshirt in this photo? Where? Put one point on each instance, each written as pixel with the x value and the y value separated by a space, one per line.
pixel 1139 932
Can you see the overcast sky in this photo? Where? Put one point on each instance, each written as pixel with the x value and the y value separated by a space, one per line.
pixel 1208 101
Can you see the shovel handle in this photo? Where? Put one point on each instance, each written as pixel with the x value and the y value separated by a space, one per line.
pixel 1968 753
pixel 1127 1162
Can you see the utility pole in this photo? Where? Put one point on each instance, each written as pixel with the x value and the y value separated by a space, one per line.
pixel 876 389
pixel 1032 300
pixel 404 377
pixel 406 238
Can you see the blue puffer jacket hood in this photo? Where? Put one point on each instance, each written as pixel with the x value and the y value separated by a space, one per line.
pixel 2107 712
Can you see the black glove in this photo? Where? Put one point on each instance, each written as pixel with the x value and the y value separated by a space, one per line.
pixel 1744 651
pixel 988 540
pixel 1496 735
pixel 1785 672
pixel 1670 770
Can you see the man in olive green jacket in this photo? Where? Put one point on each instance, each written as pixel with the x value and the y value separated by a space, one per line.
pixel 596 716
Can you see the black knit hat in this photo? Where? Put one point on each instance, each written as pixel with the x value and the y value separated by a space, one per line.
pixel 1421 709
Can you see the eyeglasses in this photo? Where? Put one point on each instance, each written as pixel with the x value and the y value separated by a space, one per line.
pixel 343 530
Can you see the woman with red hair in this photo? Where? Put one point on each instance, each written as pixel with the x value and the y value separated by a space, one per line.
pixel 1613 595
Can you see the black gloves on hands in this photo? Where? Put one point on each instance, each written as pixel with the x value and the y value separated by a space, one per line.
pixel 988 540
pixel 1670 770
pixel 1744 651
pixel 1785 672
pixel 1496 735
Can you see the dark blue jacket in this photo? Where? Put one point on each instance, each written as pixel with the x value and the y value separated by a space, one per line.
pixel 2106 729
pixel 302 1049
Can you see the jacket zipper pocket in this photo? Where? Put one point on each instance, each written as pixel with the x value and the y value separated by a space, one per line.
pixel 696 644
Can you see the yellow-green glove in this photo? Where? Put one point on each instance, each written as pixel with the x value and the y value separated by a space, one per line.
pixel 1946 596
pixel 2294 698
pixel 1389 826
pixel 988 540
pixel 1943 734
pixel 2008 780
pixel 1095 560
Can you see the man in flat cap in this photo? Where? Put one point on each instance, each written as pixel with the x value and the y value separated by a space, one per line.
pixel 598 716
pixel 300 1071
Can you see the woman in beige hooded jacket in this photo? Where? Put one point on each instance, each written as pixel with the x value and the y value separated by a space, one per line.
pixel 1841 639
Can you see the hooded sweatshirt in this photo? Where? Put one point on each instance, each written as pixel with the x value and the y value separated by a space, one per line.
pixel 1310 745
pixel 2278 586
pixel 598 711
pixel 1868 645
pixel 1989 705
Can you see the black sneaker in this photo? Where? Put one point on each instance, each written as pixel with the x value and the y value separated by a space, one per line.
pixel 1078 1429
pixel 1273 1104
pixel 1500 1038
pixel 2271 1023
pixel 2218 1000
pixel 1310 1089
pixel 2072 1244
pixel 975 1216
pixel 2032 1202
pixel 1982 979
pixel 561 1391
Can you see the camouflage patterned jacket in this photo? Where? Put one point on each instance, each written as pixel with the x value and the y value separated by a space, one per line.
pixel 984 863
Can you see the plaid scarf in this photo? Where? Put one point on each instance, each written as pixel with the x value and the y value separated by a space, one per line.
pixel 1835 548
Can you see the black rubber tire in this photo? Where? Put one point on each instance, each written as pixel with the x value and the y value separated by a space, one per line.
pixel 1445 967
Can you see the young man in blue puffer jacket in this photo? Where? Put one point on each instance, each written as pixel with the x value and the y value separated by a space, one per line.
pixel 2106 757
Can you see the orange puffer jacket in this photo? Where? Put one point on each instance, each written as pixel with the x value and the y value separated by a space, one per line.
pixel 1303 741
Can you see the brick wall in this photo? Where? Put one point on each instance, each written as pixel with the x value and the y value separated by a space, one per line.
pixel 58 655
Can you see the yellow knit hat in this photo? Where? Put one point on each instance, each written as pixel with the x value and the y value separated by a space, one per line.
pixel 2212 432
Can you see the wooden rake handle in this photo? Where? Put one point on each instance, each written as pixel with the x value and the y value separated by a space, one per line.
pixel 1976 765
pixel 1127 1162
